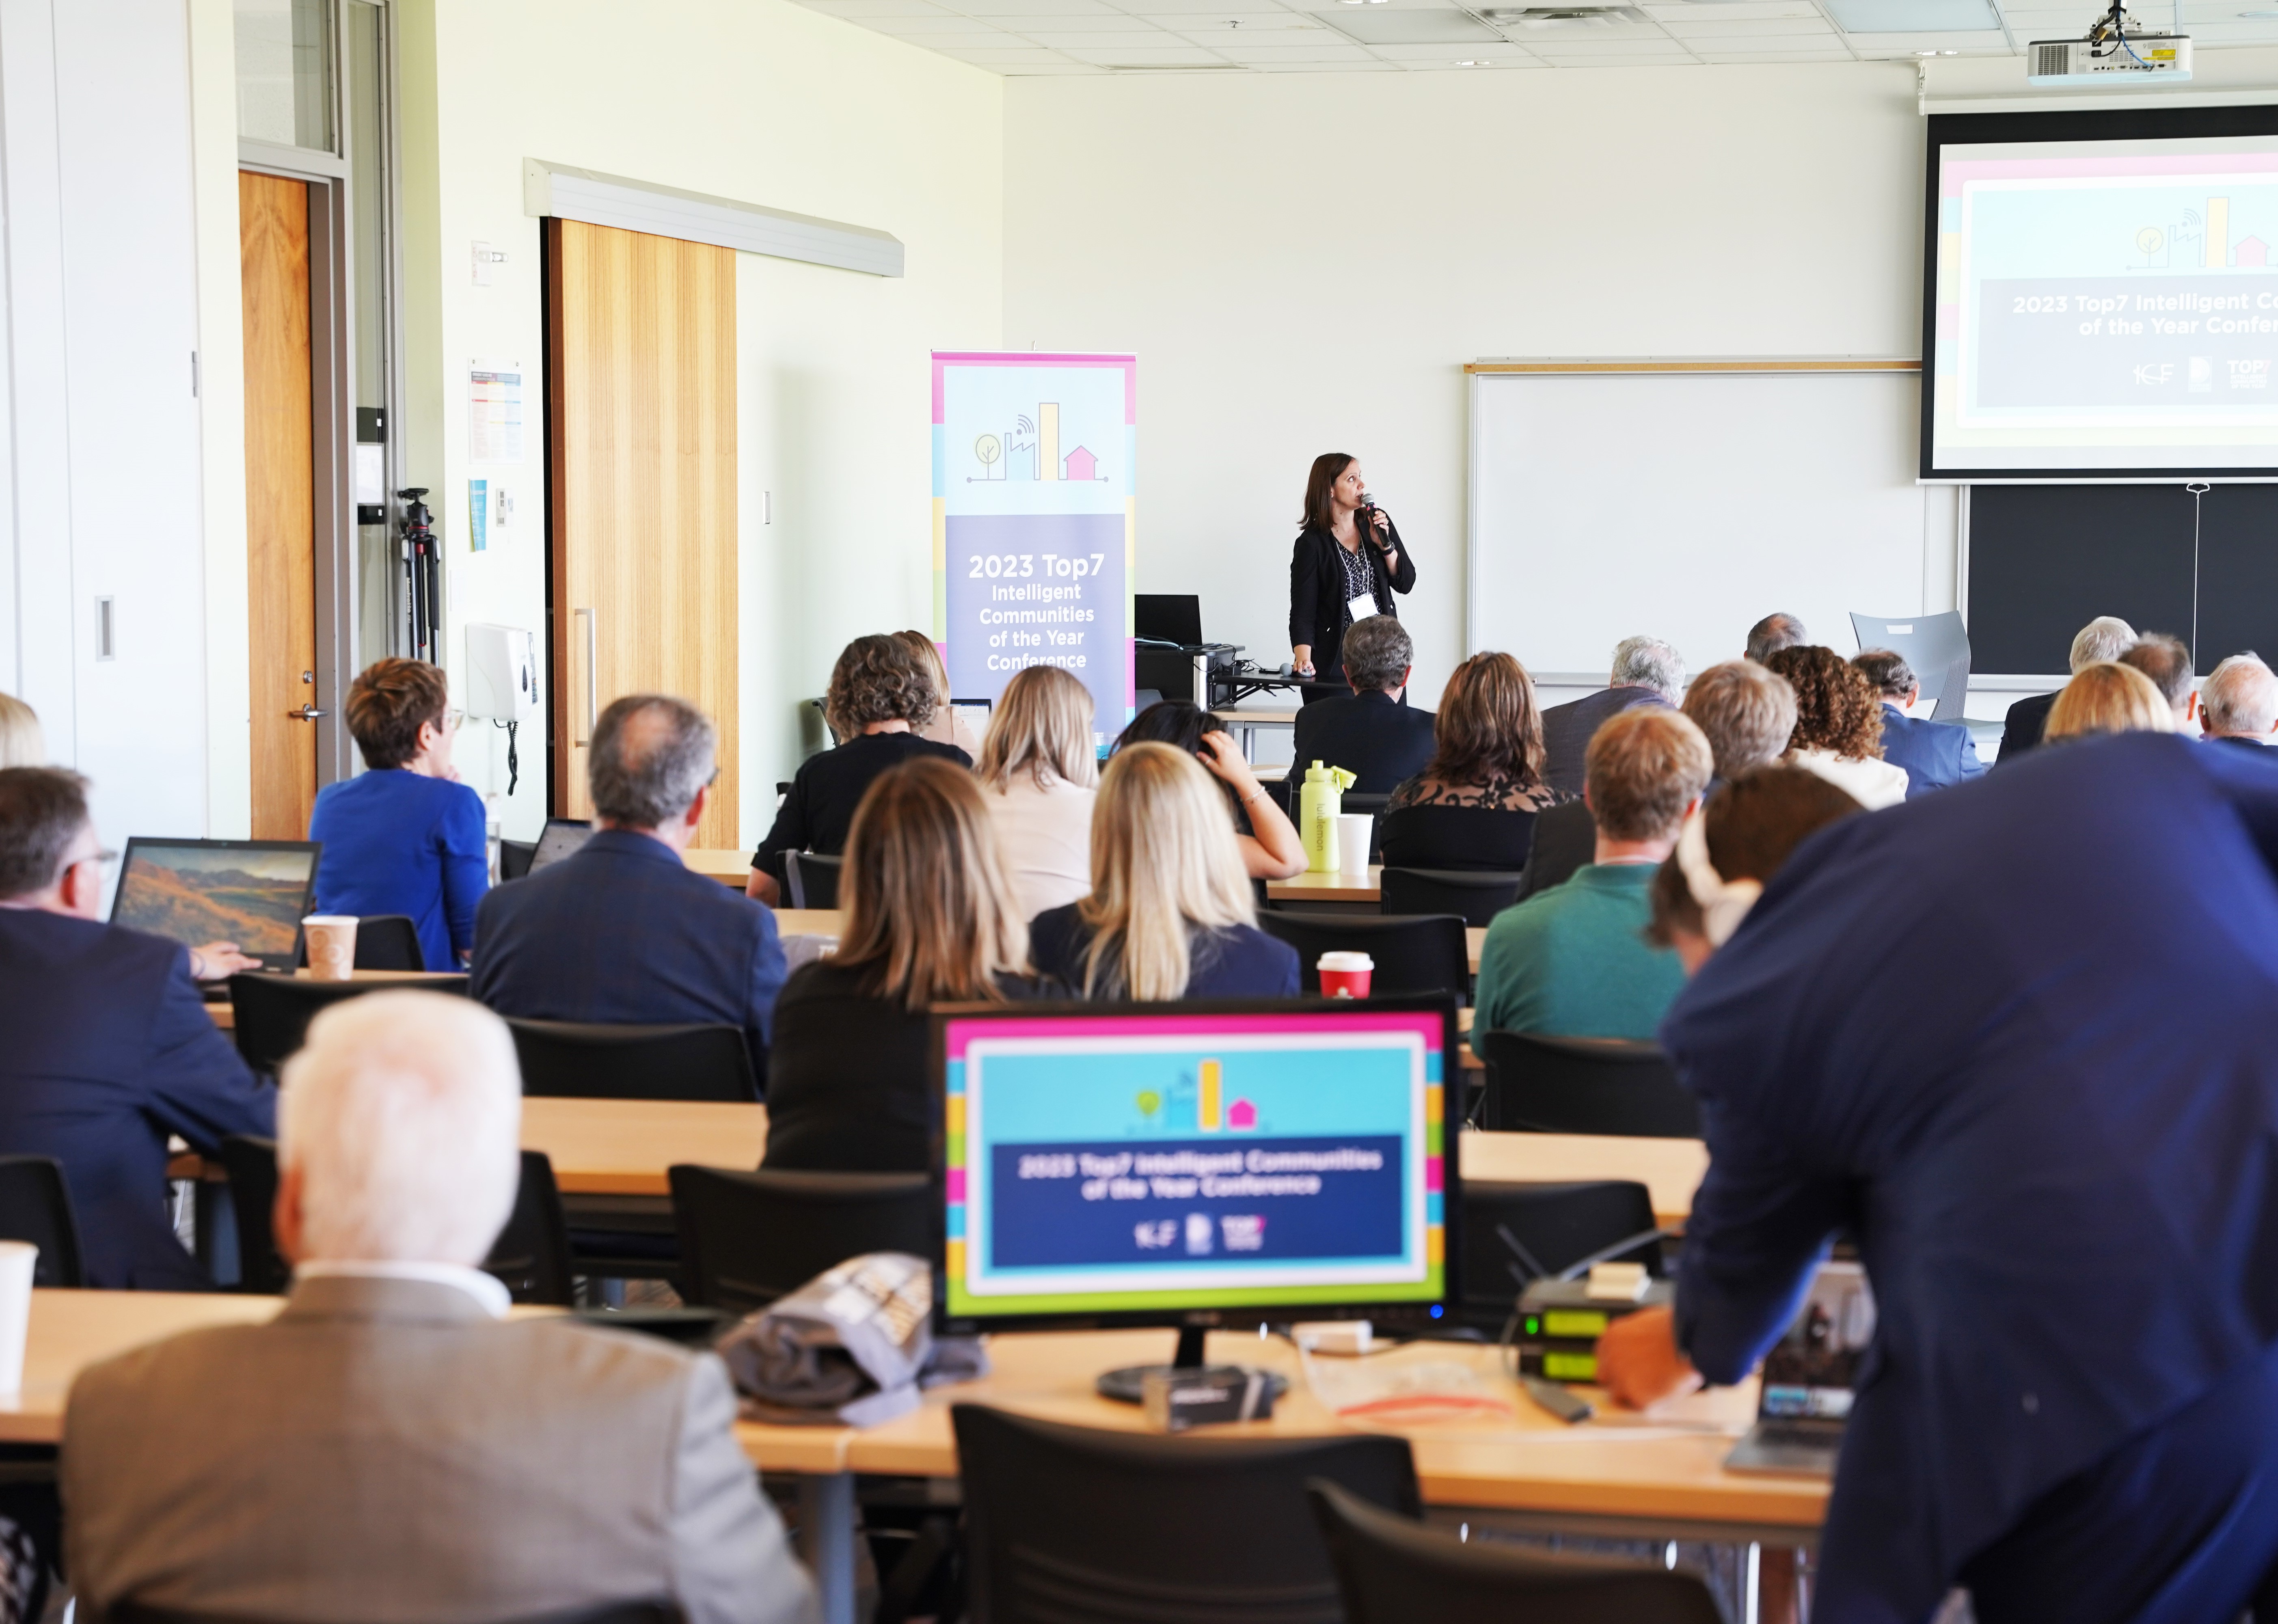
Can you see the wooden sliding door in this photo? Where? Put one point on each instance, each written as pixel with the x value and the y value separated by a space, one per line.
pixel 640 383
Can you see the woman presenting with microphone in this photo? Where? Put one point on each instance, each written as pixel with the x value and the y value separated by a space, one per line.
pixel 1349 561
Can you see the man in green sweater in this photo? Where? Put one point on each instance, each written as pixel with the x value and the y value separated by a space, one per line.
pixel 1572 962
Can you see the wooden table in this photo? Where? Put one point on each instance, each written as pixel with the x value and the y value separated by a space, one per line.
pixel 731 865
pixel 1245 724
pixel 624 1146
pixel 1339 887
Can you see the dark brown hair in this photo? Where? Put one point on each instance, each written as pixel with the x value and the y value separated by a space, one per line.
pixel 1328 468
pixel 878 679
pixel 1487 729
pixel 1835 708
pixel 41 811
pixel 1753 825
pixel 388 703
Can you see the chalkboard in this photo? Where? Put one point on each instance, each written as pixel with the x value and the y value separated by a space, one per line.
pixel 2044 560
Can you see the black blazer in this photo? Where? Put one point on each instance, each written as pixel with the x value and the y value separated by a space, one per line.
pixel 1371 735
pixel 108 1049
pixel 1566 839
pixel 819 812
pixel 1568 729
pixel 1317 592
pixel 2021 727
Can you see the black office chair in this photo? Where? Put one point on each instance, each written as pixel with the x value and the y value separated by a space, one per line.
pixel 1514 1234
pixel 531 1256
pixel 1394 1570
pixel 273 1012
pixel 1424 953
pixel 1067 1522
pixel 251 1164
pixel 748 1238
pixel 577 1059
pixel 1583 1086
pixel 388 942
pixel 514 858
pixel 812 878
pixel 1479 895
pixel 36 1206
pixel 1289 796
pixel 612 1613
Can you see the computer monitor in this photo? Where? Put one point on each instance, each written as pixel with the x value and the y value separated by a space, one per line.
pixel 1196 1164
pixel 561 837
pixel 253 893
pixel 1167 617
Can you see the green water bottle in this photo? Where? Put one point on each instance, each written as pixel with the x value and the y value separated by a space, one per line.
pixel 1318 805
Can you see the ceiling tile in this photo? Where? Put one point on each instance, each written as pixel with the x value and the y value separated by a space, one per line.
pixel 1901 43
pixel 1739 10
pixel 1243 23
pixel 1114 22
pixel 1374 26
pixel 1144 55
pixel 1242 51
pixel 1039 8
pixel 1717 28
pixel 908 28
pixel 1917 16
pixel 1729 58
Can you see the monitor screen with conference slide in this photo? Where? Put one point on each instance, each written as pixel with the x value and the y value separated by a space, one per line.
pixel 1153 1163
pixel 2100 294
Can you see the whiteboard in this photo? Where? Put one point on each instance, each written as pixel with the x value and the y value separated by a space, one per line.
pixel 1688 505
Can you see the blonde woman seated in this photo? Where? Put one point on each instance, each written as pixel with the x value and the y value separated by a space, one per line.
pixel 947 727
pixel 21 742
pixel 1170 912
pixel 2108 698
pixel 1038 770
pixel 926 922
pixel 1839 726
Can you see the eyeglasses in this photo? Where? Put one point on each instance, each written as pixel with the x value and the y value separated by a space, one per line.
pixel 100 855
pixel 453 720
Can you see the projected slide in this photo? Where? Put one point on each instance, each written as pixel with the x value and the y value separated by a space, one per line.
pixel 2106 306
pixel 1098 1164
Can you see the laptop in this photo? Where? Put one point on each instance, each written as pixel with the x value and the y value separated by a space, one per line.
pixel 1167 617
pixel 253 893
pixel 1809 1379
pixel 562 836
pixel 974 713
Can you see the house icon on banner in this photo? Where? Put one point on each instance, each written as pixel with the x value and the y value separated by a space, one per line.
pixel 2252 251
pixel 1082 464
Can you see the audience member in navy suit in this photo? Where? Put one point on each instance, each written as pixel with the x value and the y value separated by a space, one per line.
pixel 622 931
pixel 2016 1045
pixel 2239 703
pixel 1934 754
pixel 1368 732
pixel 1171 913
pixel 2108 637
pixel 1646 671
pixel 108 1048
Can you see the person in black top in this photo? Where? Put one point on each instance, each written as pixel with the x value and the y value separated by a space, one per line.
pixel 1269 842
pixel 930 918
pixel 1349 561
pixel 1474 806
pixel 879 697
pixel 1370 732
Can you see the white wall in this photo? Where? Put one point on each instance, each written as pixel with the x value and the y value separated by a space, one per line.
pixel 767 102
pixel 102 456
pixel 1304 263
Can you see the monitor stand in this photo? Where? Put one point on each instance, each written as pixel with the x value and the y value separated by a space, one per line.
pixel 1126 1385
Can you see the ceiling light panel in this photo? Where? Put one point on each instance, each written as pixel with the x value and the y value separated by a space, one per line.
pixel 1914 16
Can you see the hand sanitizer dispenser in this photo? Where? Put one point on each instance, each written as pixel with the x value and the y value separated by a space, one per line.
pixel 501 674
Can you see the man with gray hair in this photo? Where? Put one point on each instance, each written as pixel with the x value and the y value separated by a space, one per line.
pixel 391 1446
pixel 1773 633
pixel 622 931
pixel 2239 703
pixel 1646 671
pixel 2108 637
pixel 1371 732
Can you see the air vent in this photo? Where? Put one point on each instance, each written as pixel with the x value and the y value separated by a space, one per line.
pixel 2053 60
pixel 1563 19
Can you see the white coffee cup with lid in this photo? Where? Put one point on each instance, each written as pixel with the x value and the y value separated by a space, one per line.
pixel 330 939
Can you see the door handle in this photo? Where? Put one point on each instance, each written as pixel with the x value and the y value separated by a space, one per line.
pixel 592 681
pixel 307 713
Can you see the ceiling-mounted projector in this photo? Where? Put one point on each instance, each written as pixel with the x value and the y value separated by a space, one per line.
pixel 2113 53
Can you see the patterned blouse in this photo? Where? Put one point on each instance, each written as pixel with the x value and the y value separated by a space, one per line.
pixel 1359 578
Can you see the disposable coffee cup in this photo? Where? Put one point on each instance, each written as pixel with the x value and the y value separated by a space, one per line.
pixel 1353 828
pixel 17 1260
pixel 331 945
pixel 1346 975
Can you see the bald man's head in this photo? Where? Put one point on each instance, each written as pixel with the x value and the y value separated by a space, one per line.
pixel 652 756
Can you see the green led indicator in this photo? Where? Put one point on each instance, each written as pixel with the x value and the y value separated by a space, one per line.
pixel 1533 1325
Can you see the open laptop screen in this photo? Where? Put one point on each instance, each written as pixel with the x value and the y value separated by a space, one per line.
pixel 253 893
pixel 1811 1371
pixel 562 836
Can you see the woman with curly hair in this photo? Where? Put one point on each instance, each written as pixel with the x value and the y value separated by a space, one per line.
pixel 879 697
pixel 1839 726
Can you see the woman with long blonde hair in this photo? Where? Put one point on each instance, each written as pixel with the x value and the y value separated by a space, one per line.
pixel 2107 698
pixel 22 744
pixel 1170 914
pixel 1038 768
pixel 927 922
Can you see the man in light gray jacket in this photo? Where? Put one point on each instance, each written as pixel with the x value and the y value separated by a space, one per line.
pixel 391 1447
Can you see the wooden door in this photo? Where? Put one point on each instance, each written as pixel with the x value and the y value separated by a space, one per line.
pixel 280 518
pixel 640 383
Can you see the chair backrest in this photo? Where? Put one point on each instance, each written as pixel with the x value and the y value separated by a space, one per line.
pixel 251 1164
pixel 577 1059
pixel 1583 1086
pixel 514 858
pixel 813 878
pixel 273 1012
pixel 1394 1570
pixel 531 1256
pixel 1515 1233
pixel 36 1206
pixel 748 1238
pixel 1427 952
pixel 1479 895
pixel 388 942
pixel 1066 1522
pixel 1937 647
pixel 609 1612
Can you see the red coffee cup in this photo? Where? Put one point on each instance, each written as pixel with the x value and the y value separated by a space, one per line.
pixel 1346 975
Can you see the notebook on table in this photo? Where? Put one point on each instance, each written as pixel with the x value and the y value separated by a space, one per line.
pixel 1809 1380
